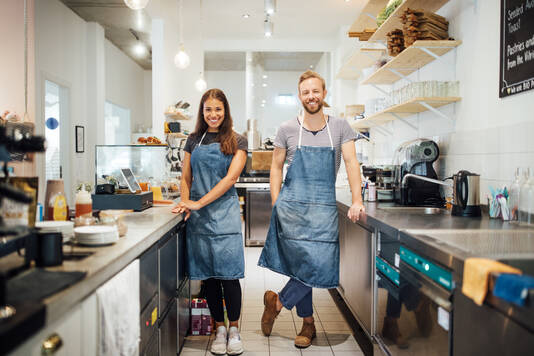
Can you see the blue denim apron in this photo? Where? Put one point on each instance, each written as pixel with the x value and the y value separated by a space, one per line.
pixel 303 237
pixel 214 238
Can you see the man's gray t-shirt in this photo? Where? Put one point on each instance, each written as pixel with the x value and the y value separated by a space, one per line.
pixel 287 137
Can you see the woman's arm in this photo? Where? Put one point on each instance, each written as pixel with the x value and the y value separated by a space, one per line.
pixel 236 167
pixel 185 185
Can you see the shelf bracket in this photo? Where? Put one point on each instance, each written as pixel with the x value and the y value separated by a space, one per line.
pixel 404 121
pixel 399 74
pixel 370 15
pixel 379 89
pixel 382 130
pixel 434 110
pixel 436 57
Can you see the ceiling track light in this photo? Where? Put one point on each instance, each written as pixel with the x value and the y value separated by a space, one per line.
pixel 136 4
pixel 270 6
pixel 267 27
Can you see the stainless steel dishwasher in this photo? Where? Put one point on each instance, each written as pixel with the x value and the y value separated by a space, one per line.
pixel 258 216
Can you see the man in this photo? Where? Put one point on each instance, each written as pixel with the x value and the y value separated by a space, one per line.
pixel 303 241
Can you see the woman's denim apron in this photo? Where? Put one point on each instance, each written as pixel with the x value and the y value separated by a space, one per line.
pixel 214 238
pixel 303 237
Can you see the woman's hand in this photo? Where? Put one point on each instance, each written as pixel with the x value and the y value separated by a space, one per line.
pixel 356 211
pixel 190 204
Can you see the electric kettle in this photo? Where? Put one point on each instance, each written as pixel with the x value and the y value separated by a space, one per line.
pixel 466 193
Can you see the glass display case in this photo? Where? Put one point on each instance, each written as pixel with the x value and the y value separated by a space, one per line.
pixel 149 163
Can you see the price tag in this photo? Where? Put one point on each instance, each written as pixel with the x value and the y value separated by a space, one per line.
pixel 443 318
pixel 397 260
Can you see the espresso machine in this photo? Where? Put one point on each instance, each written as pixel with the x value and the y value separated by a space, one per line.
pixel 416 158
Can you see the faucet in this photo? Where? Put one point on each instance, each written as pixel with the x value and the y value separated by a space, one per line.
pixel 426 179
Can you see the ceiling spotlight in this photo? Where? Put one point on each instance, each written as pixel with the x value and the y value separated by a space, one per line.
pixel 347 0
pixel 264 76
pixel 139 49
pixel 268 27
pixel 264 85
pixel 246 16
pixel 262 105
pixel 263 101
pixel 270 6
pixel 311 66
pixel 136 4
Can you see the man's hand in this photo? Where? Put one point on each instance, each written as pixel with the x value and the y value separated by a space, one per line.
pixel 356 211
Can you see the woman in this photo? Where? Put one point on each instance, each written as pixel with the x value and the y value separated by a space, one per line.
pixel 214 158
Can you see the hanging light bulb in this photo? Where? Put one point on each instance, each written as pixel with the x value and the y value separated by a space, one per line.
pixel 136 4
pixel 268 27
pixel 182 60
pixel 201 84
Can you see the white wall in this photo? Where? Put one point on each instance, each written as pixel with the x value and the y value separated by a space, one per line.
pixel 12 65
pixel 125 85
pixel 488 135
pixel 232 83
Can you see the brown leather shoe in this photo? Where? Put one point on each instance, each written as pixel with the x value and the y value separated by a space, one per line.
pixel 269 313
pixel 306 335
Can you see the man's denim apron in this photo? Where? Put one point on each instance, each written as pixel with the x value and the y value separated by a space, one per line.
pixel 303 237
pixel 214 239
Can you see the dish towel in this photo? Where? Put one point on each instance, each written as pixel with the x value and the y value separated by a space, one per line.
pixel 513 288
pixel 476 277
pixel 118 309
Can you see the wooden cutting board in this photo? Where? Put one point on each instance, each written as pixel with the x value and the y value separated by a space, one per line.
pixel 261 160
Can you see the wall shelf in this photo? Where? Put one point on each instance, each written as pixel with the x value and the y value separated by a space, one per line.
pixel 176 116
pixel 394 21
pixel 410 60
pixel 361 58
pixel 400 111
pixel 367 18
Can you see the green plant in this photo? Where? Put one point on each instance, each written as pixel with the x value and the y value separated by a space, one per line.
pixel 387 11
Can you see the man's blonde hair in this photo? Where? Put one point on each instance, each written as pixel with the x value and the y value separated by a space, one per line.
pixel 311 74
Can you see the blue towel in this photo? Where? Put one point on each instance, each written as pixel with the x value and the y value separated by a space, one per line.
pixel 513 287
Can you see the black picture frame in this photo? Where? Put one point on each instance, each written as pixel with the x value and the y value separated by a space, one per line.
pixel 79 134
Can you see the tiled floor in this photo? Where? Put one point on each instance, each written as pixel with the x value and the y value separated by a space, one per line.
pixel 334 336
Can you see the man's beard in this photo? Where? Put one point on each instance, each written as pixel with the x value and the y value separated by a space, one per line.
pixel 319 107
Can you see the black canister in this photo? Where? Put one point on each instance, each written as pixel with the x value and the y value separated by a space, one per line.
pixel 49 249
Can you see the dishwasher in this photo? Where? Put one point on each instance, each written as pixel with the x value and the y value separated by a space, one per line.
pixel 258 215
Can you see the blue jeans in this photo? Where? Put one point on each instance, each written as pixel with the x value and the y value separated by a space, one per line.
pixel 297 294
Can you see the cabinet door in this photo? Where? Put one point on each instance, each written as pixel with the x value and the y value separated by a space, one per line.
pixel 168 267
pixel 344 261
pixel 68 331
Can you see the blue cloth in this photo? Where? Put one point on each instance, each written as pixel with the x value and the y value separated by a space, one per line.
pixel 297 294
pixel 513 287
pixel 303 237
pixel 214 238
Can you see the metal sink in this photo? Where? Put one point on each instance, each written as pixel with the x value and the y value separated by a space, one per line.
pixel 415 210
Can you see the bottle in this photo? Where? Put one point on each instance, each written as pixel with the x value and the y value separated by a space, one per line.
pixel 526 199
pixel 372 192
pixel 56 207
pixel 84 203
pixel 513 197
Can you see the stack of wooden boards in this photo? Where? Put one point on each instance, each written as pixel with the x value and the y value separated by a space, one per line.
pixel 417 25
pixel 364 35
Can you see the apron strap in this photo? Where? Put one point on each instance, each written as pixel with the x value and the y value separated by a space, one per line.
pixel 301 122
pixel 200 142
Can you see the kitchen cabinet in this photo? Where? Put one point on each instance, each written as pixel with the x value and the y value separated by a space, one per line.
pixel 74 334
pixel 357 269
pixel 258 216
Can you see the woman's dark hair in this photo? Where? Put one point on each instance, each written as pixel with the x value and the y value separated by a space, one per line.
pixel 225 136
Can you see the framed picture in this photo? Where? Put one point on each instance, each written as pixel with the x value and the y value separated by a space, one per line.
pixel 79 132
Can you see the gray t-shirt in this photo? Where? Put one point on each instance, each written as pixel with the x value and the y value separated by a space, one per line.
pixel 288 137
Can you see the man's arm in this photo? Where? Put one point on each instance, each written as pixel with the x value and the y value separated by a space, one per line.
pixel 277 166
pixel 355 181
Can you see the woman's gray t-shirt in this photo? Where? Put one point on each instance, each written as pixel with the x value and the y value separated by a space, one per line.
pixel 287 137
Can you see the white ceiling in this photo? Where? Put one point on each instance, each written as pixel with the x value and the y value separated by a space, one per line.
pixel 269 61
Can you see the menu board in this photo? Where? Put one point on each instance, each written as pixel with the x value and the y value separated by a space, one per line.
pixel 517 47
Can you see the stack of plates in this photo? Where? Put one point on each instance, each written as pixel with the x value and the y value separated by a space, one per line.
pixel 96 235
pixel 66 228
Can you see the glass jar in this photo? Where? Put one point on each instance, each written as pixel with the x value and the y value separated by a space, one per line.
pixel 526 200
pixel 513 196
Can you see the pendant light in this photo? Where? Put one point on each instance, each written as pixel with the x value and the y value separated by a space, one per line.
pixel 201 84
pixel 136 4
pixel 181 60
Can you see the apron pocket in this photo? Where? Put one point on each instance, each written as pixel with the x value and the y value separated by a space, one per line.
pixel 307 221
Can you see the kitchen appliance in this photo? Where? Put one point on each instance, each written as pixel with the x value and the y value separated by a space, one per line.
pixel 417 157
pixel 253 135
pixel 258 214
pixel 105 189
pixel 466 194
pixel 384 178
pixel 136 202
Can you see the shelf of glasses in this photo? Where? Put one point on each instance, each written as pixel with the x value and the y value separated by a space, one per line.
pixel 408 108
pixel 394 21
pixel 361 58
pixel 367 18
pixel 410 60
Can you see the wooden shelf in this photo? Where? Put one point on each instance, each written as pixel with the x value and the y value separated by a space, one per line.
pixel 408 108
pixel 361 58
pixel 366 20
pixel 410 60
pixel 177 134
pixel 176 116
pixel 394 21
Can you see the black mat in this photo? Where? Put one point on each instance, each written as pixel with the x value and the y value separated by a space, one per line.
pixel 37 284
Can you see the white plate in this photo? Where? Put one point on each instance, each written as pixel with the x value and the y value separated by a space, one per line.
pixel 54 225
pixel 96 234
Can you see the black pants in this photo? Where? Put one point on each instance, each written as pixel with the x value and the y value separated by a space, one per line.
pixel 232 298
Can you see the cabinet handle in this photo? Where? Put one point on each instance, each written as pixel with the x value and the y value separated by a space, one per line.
pixel 51 344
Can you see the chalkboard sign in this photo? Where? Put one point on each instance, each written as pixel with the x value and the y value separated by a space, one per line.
pixel 517 47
